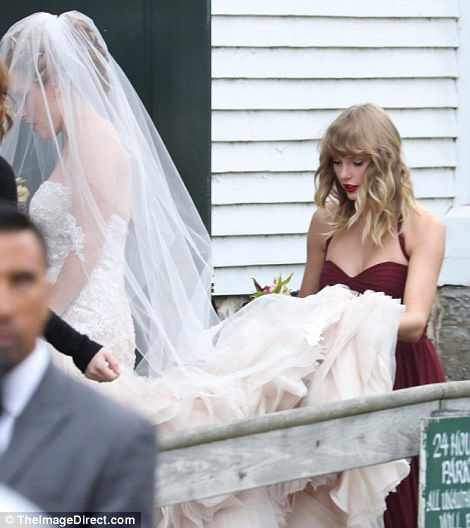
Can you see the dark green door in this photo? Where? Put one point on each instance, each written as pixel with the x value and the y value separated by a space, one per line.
pixel 164 48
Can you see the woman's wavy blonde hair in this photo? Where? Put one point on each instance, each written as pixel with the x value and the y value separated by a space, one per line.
pixel 6 121
pixel 386 195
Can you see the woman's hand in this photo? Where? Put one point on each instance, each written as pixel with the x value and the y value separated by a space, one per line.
pixel 103 366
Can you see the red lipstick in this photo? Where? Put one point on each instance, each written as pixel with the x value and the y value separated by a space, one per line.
pixel 350 188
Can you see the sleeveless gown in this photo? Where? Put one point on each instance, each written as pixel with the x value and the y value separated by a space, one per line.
pixel 416 364
pixel 101 310
pixel 277 353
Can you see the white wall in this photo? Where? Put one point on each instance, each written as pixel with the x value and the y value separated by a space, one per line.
pixel 281 71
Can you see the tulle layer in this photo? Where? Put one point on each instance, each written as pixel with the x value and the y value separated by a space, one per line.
pixel 278 353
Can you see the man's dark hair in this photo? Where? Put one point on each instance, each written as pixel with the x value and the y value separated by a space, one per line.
pixel 12 220
pixel 8 190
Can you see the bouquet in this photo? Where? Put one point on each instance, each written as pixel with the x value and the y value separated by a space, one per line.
pixel 22 190
pixel 278 286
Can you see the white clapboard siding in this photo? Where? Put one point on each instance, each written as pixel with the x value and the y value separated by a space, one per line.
pixel 315 63
pixel 302 155
pixel 294 187
pixel 261 187
pixel 259 250
pixel 298 94
pixel 269 125
pixel 280 218
pixel 295 32
pixel 282 71
pixel 344 8
pixel 278 248
pixel 262 219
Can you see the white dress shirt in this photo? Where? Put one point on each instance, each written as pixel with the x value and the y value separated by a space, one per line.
pixel 19 385
pixel 11 501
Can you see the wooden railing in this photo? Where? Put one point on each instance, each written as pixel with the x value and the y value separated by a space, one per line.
pixel 300 443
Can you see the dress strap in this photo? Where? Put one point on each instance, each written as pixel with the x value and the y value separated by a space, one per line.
pixel 401 239
pixel 327 243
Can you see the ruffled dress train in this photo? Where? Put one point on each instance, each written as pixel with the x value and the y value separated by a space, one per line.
pixel 276 353
pixel 279 353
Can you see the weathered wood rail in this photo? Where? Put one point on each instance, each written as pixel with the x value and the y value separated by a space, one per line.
pixel 301 442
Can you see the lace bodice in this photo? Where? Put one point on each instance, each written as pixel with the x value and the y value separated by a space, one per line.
pixel 101 309
pixel 51 209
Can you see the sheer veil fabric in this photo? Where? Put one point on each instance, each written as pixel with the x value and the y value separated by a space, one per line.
pixel 78 121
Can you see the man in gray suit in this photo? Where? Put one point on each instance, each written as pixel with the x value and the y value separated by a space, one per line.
pixel 63 446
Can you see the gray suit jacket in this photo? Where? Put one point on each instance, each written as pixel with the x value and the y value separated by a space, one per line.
pixel 73 450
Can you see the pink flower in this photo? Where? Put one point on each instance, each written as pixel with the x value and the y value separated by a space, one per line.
pixel 278 286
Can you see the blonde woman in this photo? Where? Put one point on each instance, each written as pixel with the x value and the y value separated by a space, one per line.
pixel 370 234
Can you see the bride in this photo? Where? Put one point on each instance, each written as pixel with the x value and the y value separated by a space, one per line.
pixel 130 262
pixel 124 234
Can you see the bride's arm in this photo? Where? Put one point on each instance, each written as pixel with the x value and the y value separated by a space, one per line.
pixel 70 282
pixel 97 191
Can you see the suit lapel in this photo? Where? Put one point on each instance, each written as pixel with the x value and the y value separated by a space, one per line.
pixel 41 421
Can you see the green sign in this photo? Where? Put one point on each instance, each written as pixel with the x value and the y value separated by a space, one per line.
pixel 444 500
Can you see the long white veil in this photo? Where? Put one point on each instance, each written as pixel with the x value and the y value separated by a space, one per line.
pixel 119 166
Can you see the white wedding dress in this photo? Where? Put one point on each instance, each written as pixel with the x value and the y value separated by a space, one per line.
pixel 101 310
pixel 276 353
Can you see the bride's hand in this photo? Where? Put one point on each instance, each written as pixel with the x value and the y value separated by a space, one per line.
pixel 102 367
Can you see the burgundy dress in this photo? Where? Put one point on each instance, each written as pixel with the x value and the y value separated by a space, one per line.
pixel 416 364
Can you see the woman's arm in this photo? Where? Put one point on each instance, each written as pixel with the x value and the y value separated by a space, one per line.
pixel 90 357
pixel 315 253
pixel 425 240
pixel 67 340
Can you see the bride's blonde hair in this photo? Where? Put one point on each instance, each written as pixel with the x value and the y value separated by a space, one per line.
pixel 386 195
pixel 92 45
pixel 5 118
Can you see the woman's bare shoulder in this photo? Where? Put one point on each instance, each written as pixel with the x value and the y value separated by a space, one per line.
pixel 323 215
pixel 423 225
pixel 96 129
pixel 98 139
pixel 423 219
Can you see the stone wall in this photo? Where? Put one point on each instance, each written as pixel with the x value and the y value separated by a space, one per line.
pixel 450 330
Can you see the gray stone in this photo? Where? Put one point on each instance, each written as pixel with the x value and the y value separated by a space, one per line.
pixel 454 304
pixel 451 330
pixel 454 347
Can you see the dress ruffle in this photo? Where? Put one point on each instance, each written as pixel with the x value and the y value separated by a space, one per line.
pixel 277 353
